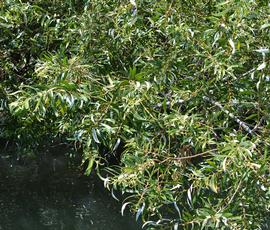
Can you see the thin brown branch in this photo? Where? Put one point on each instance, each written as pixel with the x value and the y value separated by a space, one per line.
pixel 187 157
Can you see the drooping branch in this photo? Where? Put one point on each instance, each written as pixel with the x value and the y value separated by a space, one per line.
pixel 241 123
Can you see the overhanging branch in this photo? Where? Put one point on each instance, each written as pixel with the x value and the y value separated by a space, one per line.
pixel 241 123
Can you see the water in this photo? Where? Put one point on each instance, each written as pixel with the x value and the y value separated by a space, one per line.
pixel 51 196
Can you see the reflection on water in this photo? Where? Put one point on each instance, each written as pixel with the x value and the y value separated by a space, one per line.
pixel 35 199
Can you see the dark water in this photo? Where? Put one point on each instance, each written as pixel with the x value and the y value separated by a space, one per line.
pixel 49 195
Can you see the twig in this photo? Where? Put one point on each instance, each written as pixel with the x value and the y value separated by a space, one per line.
pixel 243 75
pixel 257 126
pixel 187 157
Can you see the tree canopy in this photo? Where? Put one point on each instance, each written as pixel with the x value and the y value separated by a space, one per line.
pixel 168 100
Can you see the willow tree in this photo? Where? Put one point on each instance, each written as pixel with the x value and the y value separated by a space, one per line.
pixel 169 100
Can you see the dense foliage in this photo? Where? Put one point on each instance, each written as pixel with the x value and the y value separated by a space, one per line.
pixel 168 100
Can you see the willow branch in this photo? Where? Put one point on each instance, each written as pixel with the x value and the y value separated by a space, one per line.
pixel 241 123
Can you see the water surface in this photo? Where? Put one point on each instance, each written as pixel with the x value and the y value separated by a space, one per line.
pixel 51 196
